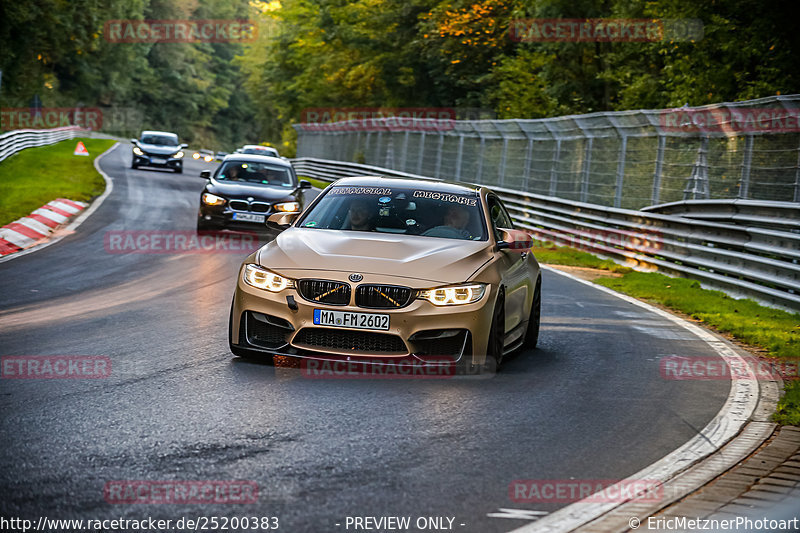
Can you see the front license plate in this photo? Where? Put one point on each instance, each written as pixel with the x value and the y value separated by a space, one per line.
pixel 248 217
pixel 345 319
pixel 157 160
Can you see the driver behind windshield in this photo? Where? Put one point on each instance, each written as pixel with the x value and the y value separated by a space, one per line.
pixel 232 172
pixel 359 213
pixel 454 223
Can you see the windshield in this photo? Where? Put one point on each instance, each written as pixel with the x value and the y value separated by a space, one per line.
pixel 256 173
pixel 160 140
pixel 260 151
pixel 408 211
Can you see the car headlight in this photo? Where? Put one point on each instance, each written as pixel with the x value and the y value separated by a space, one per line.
pixel 288 207
pixel 196 155
pixel 177 155
pixel 137 150
pixel 454 294
pixel 261 278
pixel 212 199
pixel 208 158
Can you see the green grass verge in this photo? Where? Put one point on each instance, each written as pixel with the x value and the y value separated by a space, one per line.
pixel 564 255
pixel 36 176
pixel 319 184
pixel 776 331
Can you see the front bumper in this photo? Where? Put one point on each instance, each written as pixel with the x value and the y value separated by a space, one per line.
pixel 157 161
pixel 264 321
pixel 222 217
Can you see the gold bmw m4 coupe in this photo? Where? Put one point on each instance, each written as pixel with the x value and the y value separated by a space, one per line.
pixel 390 270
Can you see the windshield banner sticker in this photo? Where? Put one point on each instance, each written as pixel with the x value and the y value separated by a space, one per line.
pixel 446 197
pixel 381 191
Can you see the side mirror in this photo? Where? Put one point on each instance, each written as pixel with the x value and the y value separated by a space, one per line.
pixel 184 145
pixel 513 239
pixel 134 141
pixel 281 221
pixel 205 174
pixel 304 184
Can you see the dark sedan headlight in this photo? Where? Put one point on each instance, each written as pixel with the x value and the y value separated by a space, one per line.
pixel 178 154
pixel 212 199
pixel 288 207
pixel 137 150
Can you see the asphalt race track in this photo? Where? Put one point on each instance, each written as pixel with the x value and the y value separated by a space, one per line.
pixel 588 404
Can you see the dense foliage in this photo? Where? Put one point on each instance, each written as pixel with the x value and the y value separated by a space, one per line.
pixel 57 50
pixel 392 53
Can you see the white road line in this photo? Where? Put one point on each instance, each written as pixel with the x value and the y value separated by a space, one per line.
pixel 730 419
pixel 519 514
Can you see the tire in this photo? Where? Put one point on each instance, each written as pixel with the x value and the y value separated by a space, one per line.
pixel 534 318
pixel 134 166
pixel 179 170
pixel 496 343
pixel 204 225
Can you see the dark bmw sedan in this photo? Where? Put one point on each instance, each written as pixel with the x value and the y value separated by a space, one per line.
pixel 246 189
pixel 158 149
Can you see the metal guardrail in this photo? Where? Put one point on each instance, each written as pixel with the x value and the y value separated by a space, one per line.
pixel 723 252
pixel 17 140
pixel 627 159
pixel 771 215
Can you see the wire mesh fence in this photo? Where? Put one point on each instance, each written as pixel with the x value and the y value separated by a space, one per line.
pixel 628 159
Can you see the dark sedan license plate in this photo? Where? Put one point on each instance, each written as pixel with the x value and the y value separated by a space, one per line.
pixel 247 217
pixel 345 319
pixel 157 160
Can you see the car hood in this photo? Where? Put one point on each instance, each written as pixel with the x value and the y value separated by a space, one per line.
pixel 427 259
pixel 258 192
pixel 158 149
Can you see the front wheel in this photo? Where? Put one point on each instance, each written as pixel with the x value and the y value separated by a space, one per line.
pixel 497 335
pixel 204 225
pixel 535 318
pixel 179 170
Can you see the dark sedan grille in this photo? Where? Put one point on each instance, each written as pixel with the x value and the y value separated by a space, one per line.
pixel 383 296
pixel 364 342
pixel 323 291
pixel 253 207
